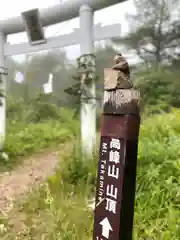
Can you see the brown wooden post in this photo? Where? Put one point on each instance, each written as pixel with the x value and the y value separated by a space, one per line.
pixel 115 193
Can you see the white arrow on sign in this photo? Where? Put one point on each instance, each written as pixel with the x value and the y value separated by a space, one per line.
pixel 106 227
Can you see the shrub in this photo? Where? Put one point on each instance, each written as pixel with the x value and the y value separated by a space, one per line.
pixel 76 171
pixel 36 110
pixel 59 209
pixel 34 128
pixel 157 206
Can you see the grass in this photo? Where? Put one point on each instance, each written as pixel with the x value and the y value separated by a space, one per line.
pixel 58 209
pixel 47 220
pixel 25 138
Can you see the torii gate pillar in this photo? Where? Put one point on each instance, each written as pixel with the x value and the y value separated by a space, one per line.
pixel 88 110
pixel 3 72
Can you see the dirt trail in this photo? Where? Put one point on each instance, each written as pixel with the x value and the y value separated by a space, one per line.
pixel 34 170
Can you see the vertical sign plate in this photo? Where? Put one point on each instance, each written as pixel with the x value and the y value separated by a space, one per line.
pixel 109 188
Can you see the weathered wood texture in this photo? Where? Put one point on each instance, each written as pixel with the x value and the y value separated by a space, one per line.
pixel 116 100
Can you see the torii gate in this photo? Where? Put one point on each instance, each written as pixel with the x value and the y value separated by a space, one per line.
pixel 85 36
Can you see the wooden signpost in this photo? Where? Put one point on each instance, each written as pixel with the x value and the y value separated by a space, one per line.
pixel 115 193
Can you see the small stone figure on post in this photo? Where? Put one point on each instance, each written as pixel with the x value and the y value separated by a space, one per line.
pixel 122 66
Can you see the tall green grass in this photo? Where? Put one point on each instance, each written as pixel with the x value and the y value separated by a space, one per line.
pixel 58 210
pixel 33 128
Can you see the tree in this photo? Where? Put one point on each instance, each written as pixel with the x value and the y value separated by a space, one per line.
pixel 37 69
pixel 154 34
pixel 159 88
pixel 41 65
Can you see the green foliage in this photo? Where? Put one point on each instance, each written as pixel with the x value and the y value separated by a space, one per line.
pixel 157 204
pixel 65 216
pixel 157 198
pixel 35 126
pixel 75 170
pixel 154 33
pixel 36 70
pixel 33 137
pixel 159 88
pixel 36 110
pixel 59 209
pixel 42 110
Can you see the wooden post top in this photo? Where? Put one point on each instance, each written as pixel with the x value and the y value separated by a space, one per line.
pixel 117 99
